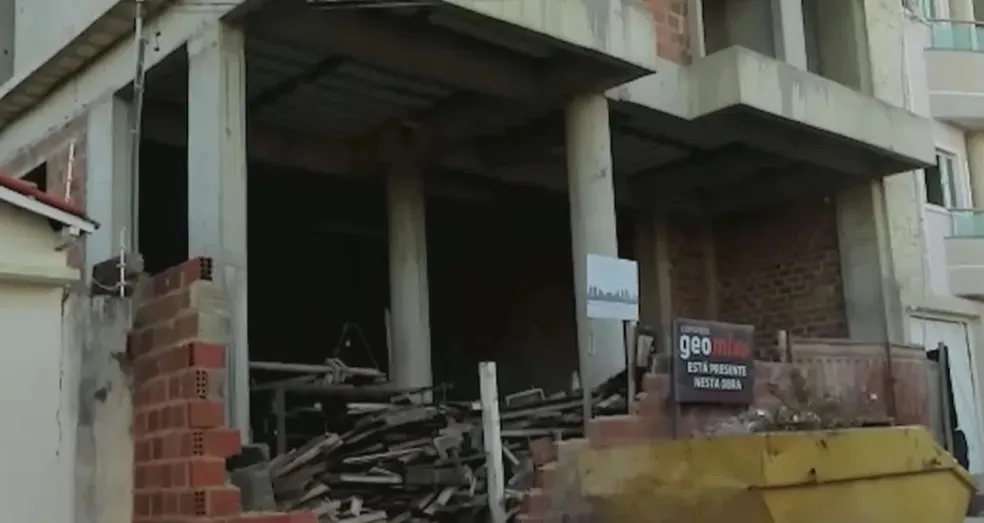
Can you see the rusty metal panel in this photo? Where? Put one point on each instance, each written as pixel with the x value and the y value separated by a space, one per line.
pixel 855 374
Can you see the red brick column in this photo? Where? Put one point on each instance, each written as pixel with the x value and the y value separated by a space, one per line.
pixel 181 442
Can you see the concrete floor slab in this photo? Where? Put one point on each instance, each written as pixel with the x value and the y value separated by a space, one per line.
pixel 737 78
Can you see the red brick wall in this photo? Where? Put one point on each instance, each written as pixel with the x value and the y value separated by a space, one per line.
pixel 672 41
pixel 780 269
pixel 180 437
pixel 688 269
pixel 776 268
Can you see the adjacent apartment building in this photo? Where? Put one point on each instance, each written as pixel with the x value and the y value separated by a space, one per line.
pixel 944 54
pixel 436 173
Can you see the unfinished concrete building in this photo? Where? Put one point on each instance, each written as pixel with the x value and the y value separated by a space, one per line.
pixel 433 174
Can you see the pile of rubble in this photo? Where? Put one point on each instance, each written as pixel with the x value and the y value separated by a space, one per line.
pixel 398 461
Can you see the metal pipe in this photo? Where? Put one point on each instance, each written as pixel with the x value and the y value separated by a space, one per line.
pixel 307 368
pixel 136 119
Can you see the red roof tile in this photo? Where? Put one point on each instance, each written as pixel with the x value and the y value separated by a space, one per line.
pixel 31 190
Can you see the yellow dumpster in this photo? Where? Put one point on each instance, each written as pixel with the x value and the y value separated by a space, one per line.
pixel 870 475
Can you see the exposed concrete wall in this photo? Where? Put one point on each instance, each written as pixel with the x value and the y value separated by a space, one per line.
pixel 107 76
pixel 97 328
pixel 45 26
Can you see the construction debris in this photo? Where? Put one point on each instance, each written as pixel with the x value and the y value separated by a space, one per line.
pixel 799 408
pixel 400 461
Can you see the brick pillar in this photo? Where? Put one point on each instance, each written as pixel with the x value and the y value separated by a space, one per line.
pixel 180 438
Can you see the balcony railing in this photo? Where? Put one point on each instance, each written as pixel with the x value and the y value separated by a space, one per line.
pixel 957 35
pixel 967 223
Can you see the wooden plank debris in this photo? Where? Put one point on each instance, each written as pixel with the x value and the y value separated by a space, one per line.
pixel 393 460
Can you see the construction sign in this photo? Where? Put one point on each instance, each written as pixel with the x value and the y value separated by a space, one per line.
pixel 713 362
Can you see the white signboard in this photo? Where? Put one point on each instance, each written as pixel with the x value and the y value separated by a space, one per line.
pixel 613 288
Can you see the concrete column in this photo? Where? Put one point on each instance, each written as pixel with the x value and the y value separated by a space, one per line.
pixel 7 26
pixel 789 32
pixel 217 187
pixel 975 161
pixel 409 297
pixel 653 257
pixel 592 200
pixel 872 295
pixel 695 28
pixel 108 180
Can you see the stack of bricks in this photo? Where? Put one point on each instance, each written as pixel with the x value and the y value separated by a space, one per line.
pixel 181 443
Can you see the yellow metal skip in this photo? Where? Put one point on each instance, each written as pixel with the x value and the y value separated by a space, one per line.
pixel 871 475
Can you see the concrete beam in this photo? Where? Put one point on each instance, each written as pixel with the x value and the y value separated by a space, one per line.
pixel 785 184
pixel 704 169
pixel 217 187
pixel 398 46
pixel 453 124
pixel 541 140
pixel 616 31
pixel 265 144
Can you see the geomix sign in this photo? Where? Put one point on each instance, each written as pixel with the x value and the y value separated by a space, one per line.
pixel 713 362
